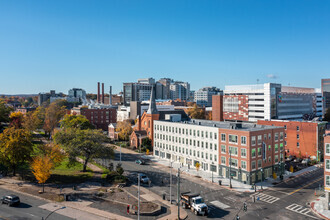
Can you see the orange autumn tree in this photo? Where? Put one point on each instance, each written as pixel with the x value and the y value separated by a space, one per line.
pixel 41 169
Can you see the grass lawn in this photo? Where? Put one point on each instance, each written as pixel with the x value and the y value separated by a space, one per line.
pixel 64 174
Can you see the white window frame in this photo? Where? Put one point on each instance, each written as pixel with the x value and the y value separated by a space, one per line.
pixel 327 149
pixel 245 139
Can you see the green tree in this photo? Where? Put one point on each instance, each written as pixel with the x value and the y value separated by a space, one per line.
pixel 15 147
pixel 119 169
pixel 4 112
pixel 146 143
pixel 88 144
pixel 76 121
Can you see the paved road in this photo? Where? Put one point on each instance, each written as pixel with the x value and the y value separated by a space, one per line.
pixel 285 201
pixel 28 209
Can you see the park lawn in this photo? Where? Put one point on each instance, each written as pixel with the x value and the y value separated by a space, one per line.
pixel 63 174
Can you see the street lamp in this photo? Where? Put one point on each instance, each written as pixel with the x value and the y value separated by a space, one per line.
pixel 230 186
pixel 261 176
pixel 63 207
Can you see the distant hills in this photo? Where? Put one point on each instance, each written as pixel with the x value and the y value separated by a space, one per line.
pixel 21 95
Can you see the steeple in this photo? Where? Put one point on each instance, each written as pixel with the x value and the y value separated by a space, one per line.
pixel 152 106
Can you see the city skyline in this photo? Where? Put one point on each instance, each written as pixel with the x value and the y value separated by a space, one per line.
pixel 62 45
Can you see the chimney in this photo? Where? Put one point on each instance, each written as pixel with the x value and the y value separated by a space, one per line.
pixel 110 97
pixel 102 93
pixel 98 92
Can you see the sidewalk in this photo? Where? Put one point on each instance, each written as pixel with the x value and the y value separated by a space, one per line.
pixel 318 208
pixel 236 185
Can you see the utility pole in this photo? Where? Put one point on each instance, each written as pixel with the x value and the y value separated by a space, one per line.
pixel 171 184
pixel 178 193
pixel 120 155
pixel 230 186
pixel 139 196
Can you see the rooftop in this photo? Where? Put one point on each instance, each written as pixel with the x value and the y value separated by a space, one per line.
pixel 243 126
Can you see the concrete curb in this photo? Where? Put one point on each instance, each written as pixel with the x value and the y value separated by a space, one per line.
pixel 316 213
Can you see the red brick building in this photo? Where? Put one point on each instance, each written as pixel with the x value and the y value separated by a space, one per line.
pixel 99 117
pixel 232 111
pixel 302 139
pixel 217 109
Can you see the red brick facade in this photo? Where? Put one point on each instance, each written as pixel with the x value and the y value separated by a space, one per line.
pixel 146 123
pixel 100 118
pixel 217 108
pixel 243 108
pixel 302 139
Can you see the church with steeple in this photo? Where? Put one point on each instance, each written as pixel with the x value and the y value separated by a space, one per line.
pixel 145 123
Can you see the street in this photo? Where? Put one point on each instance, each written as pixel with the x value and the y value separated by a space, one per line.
pixel 28 209
pixel 288 200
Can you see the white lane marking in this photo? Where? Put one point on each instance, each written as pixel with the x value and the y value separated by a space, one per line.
pixel 295 208
pixel 220 204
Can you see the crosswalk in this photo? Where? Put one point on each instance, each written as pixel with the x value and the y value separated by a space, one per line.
pixel 300 209
pixel 265 198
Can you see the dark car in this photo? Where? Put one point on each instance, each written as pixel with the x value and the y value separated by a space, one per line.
pixel 140 162
pixel 10 200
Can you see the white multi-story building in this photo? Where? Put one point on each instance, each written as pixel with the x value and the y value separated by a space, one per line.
pixel 204 95
pixel 270 101
pixel 187 143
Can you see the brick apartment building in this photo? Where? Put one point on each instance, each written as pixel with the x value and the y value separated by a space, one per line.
pixel 99 117
pixel 217 110
pixel 247 152
pixel 302 138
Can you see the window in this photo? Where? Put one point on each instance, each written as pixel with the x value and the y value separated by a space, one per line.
pixel 253 152
pixel 233 150
pixel 202 133
pixel 206 156
pixel 269 136
pixel 259 151
pixel 210 156
pixel 276 148
pixel 276 158
pixel 265 136
pixel 215 158
pixel 327 148
pixel 197 133
pixel 327 164
pixel 259 163
pixel 243 165
pixel 233 162
pixel 223 137
pixel 253 165
pixel 232 138
pixel 285 127
pixel 298 145
pixel 215 136
pixel 327 180
pixel 276 136
pixel 194 133
pixel 206 134
pixel 223 160
pixel 243 140
pixel 243 152
pixel 194 153
pixel 215 147
pixel 197 143
pixel 210 146
pixel 269 159
pixel 211 135
pixel 253 140
pixel 281 136
pixel 202 155
pixel 298 129
pixel 202 143
pixel 259 139
pixel 206 145
pixel 270 148
pixel 285 135
pixel 223 149
pixel 297 136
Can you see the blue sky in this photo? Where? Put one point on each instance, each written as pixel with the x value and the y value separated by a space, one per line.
pixel 64 43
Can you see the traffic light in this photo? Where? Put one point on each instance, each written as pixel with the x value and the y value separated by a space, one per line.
pixel 245 207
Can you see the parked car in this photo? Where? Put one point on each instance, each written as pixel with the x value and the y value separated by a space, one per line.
pixel 10 200
pixel 140 162
pixel 143 178
pixel 306 161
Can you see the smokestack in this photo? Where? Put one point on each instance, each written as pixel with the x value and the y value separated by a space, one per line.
pixel 102 93
pixel 98 92
pixel 110 97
